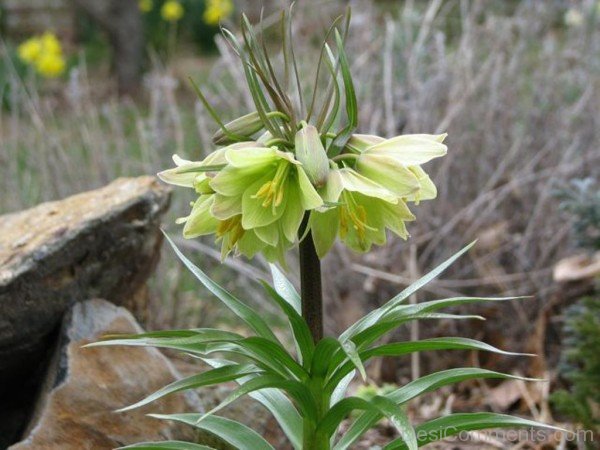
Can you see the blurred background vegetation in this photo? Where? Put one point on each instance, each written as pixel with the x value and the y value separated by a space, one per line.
pixel 516 84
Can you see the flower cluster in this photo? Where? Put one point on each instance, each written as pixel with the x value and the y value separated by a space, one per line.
pixel 254 195
pixel 172 11
pixel 44 53
pixel 217 10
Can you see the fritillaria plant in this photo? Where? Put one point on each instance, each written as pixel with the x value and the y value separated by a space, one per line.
pixel 296 172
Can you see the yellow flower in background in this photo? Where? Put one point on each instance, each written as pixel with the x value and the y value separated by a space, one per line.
pixel 171 11
pixel 217 10
pixel 50 65
pixel 50 44
pixel 30 50
pixel 44 53
pixel 145 5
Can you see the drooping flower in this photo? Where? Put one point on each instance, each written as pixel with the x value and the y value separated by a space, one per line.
pixel 395 163
pixel 270 190
pixel 172 11
pixel 217 10
pixel 359 210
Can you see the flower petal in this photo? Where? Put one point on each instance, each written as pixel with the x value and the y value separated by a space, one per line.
pixel 309 197
pixel 200 222
pixel 324 228
pixel 254 214
pixel 225 207
pixel 250 156
pixel 355 182
pixel 410 150
pixel 389 173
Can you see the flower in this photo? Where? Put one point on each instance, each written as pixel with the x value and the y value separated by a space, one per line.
pixel 217 10
pixel 30 50
pixel 395 163
pixel 360 210
pixel 251 197
pixel 50 65
pixel 171 11
pixel 269 188
pixel 44 53
pixel 145 6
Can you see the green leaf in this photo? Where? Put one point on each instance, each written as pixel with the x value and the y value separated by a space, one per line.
pixel 322 357
pixel 371 334
pixel 276 402
pixel 412 390
pixel 302 336
pixel 350 96
pixel 166 445
pixel 209 378
pixel 295 389
pixel 191 341
pixel 244 312
pixel 403 348
pixel 374 316
pixel 285 288
pixel 454 424
pixel 234 433
pixel 378 405
pixel 399 419
pixel 342 387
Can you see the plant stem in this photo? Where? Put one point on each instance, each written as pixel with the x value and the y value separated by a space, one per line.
pixel 311 294
pixel 310 284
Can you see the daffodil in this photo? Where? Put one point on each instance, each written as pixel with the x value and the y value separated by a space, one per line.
pixel 30 50
pixel 145 6
pixel 359 210
pixel 172 11
pixel 270 190
pixel 395 163
pixel 217 10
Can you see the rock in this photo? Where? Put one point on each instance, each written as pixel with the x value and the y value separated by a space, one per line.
pixel 85 386
pixel 98 244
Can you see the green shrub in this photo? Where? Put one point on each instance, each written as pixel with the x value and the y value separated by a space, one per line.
pixel 580 364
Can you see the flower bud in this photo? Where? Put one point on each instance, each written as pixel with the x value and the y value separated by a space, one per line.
pixel 242 126
pixel 358 143
pixel 311 153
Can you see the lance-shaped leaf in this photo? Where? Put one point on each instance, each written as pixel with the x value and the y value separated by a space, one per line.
pixel 374 316
pixel 234 433
pixel 302 336
pixel 404 348
pixel 456 423
pixel 378 405
pixel 276 402
pixel 415 389
pixel 296 390
pixel 244 312
pixel 285 288
pixel 209 378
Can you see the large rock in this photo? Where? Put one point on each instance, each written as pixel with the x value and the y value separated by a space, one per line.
pixel 99 244
pixel 84 386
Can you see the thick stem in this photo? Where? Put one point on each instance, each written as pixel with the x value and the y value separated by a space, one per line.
pixel 310 280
